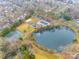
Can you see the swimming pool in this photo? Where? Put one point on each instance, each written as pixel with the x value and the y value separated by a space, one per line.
pixel 13 36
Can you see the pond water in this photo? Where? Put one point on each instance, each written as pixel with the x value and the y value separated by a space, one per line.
pixel 55 38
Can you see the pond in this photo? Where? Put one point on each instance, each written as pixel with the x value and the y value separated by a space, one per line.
pixel 55 38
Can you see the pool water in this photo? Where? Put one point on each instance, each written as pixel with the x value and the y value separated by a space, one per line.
pixel 13 36
pixel 56 38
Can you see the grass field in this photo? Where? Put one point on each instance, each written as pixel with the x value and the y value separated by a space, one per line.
pixel 25 27
pixel 40 54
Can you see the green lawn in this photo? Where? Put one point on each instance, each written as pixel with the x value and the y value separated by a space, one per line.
pixel 25 53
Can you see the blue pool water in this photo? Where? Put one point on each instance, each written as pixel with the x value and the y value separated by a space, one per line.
pixel 57 38
pixel 13 36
